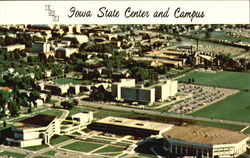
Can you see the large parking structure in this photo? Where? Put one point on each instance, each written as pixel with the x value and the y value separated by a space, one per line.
pixel 225 79
pixel 235 107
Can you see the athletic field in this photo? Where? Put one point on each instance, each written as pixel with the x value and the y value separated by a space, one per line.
pixel 225 79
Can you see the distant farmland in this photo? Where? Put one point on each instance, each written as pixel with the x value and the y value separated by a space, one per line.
pixel 235 107
pixel 225 79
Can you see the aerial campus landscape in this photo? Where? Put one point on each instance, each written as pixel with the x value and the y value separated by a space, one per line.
pixel 124 91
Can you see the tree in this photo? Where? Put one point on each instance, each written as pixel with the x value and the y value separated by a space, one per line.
pixel 100 94
pixel 5 97
pixel 67 105
pixel 14 108
pixel 48 98
pixel 34 95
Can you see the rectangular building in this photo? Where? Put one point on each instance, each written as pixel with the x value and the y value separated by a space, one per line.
pixel 125 126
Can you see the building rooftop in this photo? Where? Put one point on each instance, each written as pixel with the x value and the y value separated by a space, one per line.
pixel 142 124
pixel 204 135
pixel 40 120
pixel 165 61
pixel 81 114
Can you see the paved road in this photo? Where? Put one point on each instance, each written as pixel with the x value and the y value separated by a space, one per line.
pixel 157 113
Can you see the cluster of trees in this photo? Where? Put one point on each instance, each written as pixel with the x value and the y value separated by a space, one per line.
pixel 69 104
pixel 12 101
pixel 100 94
pixel 101 48
pixel 142 74
pixel 20 39
pixel 24 82
pixel 116 61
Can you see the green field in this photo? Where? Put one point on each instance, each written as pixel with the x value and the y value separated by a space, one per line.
pixel 11 154
pixel 68 80
pixel 50 153
pixel 235 107
pixel 226 79
pixel 222 36
pixel 82 146
pixel 110 148
pixel 52 112
pixel 220 125
pixel 59 139
pixel 36 148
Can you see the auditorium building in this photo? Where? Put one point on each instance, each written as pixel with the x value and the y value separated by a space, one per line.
pixel 201 141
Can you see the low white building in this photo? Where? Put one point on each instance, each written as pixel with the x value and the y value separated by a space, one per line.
pixel 83 117
pixel 80 38
pixel 15 46
pixel 34 130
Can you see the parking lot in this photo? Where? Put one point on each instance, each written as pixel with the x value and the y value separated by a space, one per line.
pixel 202 96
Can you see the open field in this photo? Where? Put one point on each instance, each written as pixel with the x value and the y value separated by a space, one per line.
pixel 82 146
pixel 223 36
pixel 110 148
pixel 235 107
pixel 225 79
pixel 36 148
pixel 52 112
pixel 220 125
pixel 71 80
pixel 59 139
pixel 50 153
pixel 205 46
pixel 11 154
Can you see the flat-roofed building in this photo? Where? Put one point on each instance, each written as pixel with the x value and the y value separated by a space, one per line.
pixel 41 46
pixel 58 89
pixel 126 89
pixel 134 127
pixel 83 117
pixel 164 90
pixel 144 95
pixel 166 62
pixel 10 48
pixel 125 82
pixel 34 130
pixel 79 38
pixel 202 141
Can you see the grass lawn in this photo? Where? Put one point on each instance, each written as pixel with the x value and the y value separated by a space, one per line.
pixel 147 155
pixel 50 153
pixel 68 80
pixel 53 101
pixel 235 107
pixel 11 154
pixel 247 131
pixel 82 146
pixel 36 148
pixel 59 139
pixel 226 79
pixel 220 125
pixel 52 112
pixel 110 148
pixel 112 154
